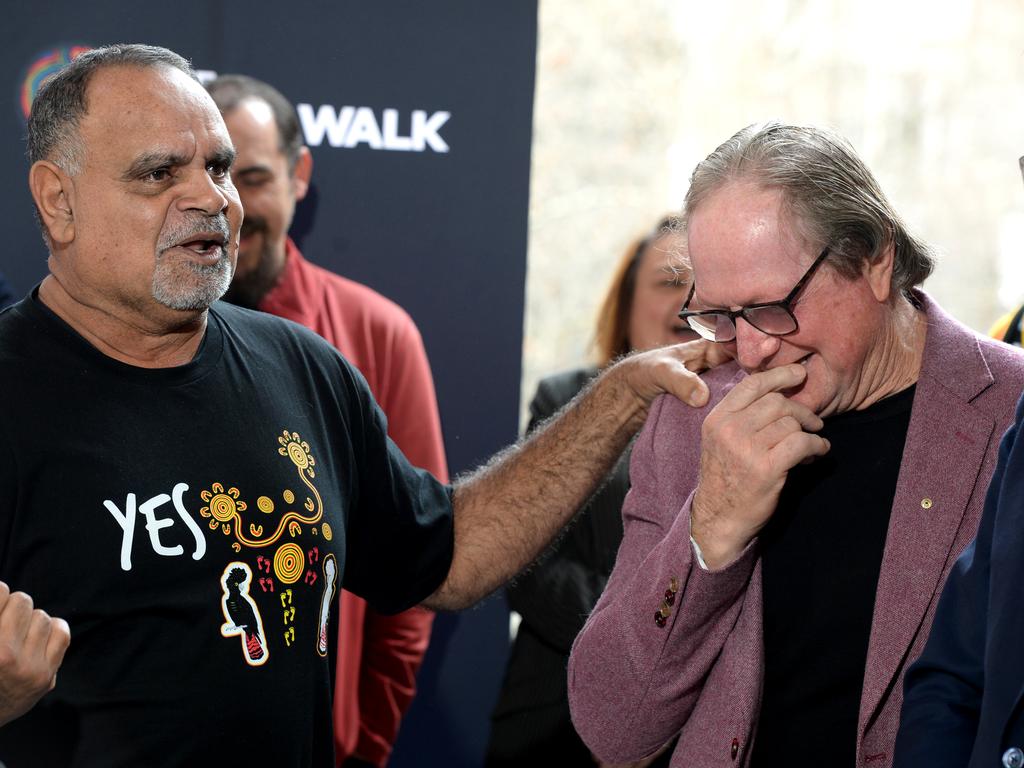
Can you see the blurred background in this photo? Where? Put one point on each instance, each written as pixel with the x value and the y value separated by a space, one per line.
pixel 931 94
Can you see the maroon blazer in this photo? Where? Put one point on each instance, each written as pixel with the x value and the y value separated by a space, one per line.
pixel 634 684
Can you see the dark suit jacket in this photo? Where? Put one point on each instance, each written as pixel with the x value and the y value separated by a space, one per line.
pixel 633 683
pixel 964 700
pixel 531 720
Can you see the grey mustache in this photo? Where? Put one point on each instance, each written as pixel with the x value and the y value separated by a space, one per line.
pixel 188 229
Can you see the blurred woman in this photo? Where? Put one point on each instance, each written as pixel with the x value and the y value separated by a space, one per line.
pixel 530 724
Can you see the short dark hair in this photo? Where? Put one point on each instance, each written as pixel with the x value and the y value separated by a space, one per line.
pixel 229 91
pixel 61 102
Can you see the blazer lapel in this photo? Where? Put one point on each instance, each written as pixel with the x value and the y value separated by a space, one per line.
pixel 944 452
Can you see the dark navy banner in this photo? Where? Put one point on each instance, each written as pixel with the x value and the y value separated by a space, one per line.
pixel 418 116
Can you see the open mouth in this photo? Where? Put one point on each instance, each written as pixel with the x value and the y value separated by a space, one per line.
pixel 207 245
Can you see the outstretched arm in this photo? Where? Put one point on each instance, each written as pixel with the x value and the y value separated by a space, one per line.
pixel 506 512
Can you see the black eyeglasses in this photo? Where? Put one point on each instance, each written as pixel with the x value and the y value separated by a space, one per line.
pixel 774 317
pixel 1021 162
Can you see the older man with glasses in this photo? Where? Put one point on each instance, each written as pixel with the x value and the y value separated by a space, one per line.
pixel 964 698
pixel 785 545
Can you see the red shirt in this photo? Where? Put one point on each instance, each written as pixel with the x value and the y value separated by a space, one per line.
pixel 378 656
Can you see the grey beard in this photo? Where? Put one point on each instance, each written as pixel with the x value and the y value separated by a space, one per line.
pixel 190 287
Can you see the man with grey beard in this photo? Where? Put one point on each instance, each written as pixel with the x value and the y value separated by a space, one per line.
pixel 184 480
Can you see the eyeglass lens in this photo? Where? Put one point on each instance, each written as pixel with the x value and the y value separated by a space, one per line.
pixel 773 320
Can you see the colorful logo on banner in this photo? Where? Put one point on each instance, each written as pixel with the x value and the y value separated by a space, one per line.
pixel 44 65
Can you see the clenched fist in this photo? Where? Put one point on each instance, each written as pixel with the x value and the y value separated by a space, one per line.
pixel 749 442
pixel 32 646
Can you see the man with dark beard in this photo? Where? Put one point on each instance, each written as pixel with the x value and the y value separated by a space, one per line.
pixel 377 656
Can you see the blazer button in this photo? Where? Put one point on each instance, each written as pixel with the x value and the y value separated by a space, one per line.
pixel 1013 758
pixel 735 748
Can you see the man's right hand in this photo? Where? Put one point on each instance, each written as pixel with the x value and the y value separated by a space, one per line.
pixel 749 442
pixel 32 646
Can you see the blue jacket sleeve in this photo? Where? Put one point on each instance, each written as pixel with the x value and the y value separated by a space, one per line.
pixel 943 688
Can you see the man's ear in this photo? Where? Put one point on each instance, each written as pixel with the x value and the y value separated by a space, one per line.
pixel 878 273
pixel 53 195
pixel 303 173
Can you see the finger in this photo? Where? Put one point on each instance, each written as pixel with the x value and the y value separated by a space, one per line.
pixel 648 374
pixel 37 636
pixel 5 593
pixel 774 433
pixel 685 385
pixel 795 448
pixel 716 354
pixel 757 385
pixel 700 354
pixel 773 406
pixel 57 643
pixel 15 620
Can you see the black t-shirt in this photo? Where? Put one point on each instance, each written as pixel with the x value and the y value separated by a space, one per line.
pixel 193 525
pixel 821 554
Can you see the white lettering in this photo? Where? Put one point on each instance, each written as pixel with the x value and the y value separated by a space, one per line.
pixel 352 126
pixel 178 492
pixel 325 122
pixel 153 525
pixel 364 129
pixel 127 522
pixel 391 138
pixel 424 130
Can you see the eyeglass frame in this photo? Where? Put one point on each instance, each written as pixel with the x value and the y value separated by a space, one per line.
pixel 1021 163
pixel 785 303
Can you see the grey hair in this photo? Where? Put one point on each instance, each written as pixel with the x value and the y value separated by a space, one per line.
pixel 61 102
pixel 828 189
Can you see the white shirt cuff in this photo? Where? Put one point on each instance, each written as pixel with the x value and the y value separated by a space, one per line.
pixel 698 554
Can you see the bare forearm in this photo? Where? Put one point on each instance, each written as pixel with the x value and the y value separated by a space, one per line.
pixel 509 510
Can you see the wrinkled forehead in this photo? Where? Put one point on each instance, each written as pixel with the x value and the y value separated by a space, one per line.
pixel 744 246
pixel 128 108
